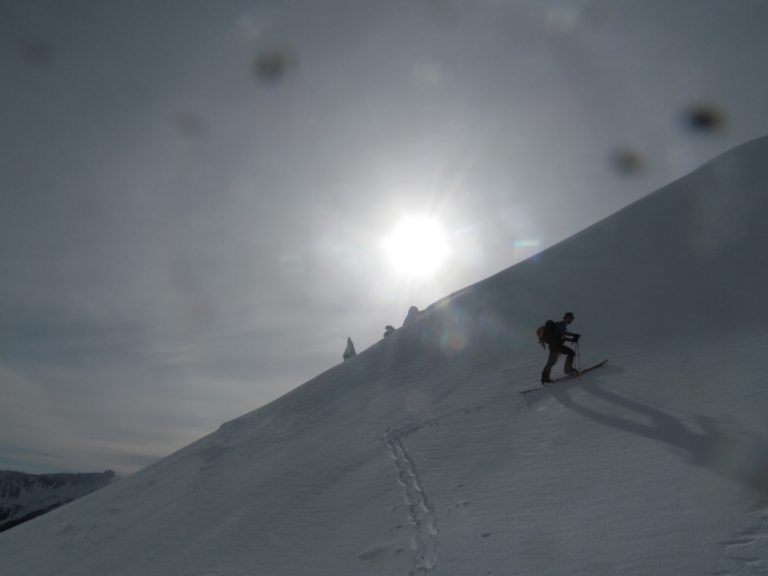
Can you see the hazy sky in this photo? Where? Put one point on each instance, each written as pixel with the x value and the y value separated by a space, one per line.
pixel 194 196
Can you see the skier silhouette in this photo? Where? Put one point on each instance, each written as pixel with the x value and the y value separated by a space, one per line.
pixel 554 336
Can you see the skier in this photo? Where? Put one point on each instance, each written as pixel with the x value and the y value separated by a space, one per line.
pixel 555 337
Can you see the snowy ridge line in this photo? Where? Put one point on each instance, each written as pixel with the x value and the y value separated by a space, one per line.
pixel 420 514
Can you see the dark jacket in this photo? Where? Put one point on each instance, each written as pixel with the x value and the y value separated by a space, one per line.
pixel 562 334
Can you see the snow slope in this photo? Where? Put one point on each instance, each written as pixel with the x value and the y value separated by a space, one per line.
pixel 420 457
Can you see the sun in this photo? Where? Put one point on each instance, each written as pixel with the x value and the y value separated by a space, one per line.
pixel 417 247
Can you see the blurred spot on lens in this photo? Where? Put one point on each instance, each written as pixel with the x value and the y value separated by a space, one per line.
pixel 36 53
pixel 190 125
pixel 270 66
pixel 705 118
pixel 627 162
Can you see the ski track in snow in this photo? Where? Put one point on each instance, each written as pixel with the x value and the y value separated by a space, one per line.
pixel 740 550
pixel 216 530
pixel 421 515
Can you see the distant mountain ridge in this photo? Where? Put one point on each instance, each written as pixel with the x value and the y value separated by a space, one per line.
pixel 26 496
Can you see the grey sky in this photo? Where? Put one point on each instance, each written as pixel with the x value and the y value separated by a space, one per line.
pixel 192 194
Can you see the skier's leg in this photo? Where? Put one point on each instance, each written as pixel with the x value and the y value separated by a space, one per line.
pixel 569 356
pixel 551 361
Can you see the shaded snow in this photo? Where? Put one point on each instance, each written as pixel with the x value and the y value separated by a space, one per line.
pixel 419 456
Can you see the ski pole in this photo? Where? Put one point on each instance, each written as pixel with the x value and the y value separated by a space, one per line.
pixel 578 355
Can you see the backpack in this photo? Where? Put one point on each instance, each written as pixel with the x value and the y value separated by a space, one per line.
pixel 546 333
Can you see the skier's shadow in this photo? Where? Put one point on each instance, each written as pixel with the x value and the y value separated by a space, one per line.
pixel 739 455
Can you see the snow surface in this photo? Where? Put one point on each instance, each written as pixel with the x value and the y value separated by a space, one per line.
pixel 419 456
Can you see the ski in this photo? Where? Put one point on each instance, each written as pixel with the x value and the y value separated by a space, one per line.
pixel 566 377
pixel 579 373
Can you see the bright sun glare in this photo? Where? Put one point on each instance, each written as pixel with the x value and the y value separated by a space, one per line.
pixel 417 247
